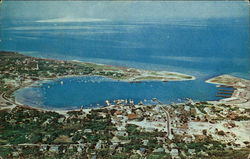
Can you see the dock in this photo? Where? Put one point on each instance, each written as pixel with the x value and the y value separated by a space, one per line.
pixel 225 86
pixel 224 96
pixel 226 90
pixel 225 93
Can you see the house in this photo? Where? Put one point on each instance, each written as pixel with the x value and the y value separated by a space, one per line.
pixel 174 152
pixel 118 112
pixel 121 133
pixel 132 116
pixel 87 131
pixel 115 140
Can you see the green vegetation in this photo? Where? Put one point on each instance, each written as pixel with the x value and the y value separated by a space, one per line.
pixel 24 125
pixel 204 146
pixel 135 136
pixel 229 154
pixel 159 156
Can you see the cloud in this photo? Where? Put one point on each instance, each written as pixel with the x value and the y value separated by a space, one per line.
pixel 201 59
pixel 69 20
pixel 24 28
pixel 49 11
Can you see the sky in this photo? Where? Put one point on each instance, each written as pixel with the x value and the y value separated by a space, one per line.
pixel 122 10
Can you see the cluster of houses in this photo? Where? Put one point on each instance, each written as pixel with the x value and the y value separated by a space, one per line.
pixel 190 123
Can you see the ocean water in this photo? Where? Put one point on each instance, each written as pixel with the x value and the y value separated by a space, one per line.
pixel 203 48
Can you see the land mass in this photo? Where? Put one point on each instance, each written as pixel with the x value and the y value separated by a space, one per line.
pixel 240 94
pixel 17 70
pixel 123 129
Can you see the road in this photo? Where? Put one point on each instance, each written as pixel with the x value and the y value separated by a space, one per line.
pixel 168 120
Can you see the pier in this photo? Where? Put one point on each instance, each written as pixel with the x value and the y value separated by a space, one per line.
pixel 224 96
pixel 225 91
pixel 225 86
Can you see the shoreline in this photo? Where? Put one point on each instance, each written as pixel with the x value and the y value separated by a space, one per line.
pixel 29 82
pixel 136 75
pixel 45 80
pixel 234 95
pixel 161 73
pixel 241 93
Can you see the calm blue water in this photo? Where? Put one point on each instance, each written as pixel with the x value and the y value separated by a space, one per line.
pixel 91 91
pixel 198 47
pixel 203 48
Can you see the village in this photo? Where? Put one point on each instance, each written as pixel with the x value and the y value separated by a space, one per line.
pixel 126 129
pixel 121 128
